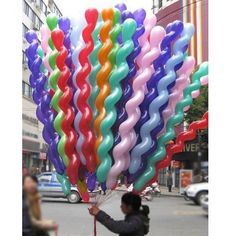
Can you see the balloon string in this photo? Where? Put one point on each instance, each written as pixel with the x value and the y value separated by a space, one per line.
pixel 56 231
pixel 94 227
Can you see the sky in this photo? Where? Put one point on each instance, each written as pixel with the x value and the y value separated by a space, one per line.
pixel 72 8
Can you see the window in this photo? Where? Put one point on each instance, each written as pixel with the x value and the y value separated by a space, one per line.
pixel 25 8
pixel 160 3
pixel 26 90
pixel 24 58
pixel 24 30
pixel 45 178
pixel 43 6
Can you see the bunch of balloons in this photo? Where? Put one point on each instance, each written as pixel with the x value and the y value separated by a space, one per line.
pixel 110 89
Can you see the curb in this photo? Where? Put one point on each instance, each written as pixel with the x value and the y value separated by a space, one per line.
pixel 162 194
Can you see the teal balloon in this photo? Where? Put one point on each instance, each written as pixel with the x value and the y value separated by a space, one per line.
pixel 171 123
pixel 119 72
pixel 65 183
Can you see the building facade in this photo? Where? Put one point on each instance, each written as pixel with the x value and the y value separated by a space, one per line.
pixel 34 148
pixel 193 11
pixel 195 153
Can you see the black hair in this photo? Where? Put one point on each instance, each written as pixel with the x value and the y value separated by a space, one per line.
pixel 33 177
pixel 135 201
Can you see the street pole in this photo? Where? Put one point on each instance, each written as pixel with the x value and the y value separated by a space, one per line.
pixel 199 154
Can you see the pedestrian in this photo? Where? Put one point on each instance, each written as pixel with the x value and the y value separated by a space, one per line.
pixel 27 229
pixel 169 181
pixel 31 201
pixel 136 222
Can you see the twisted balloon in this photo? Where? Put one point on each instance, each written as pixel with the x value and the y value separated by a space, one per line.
pixel 171 123
pixel 118 74
pixel 183 137
pixel 42 98
pixel 173 30
pixel 52 21
pixel 177 92
pixel 107 122
pixel 68 140
pixel 162 99
pixel 53 79
pixel 103 74
pixel 78 45
pixel 87 134
pixel 126 129
pixel 126 83
pixel 95 67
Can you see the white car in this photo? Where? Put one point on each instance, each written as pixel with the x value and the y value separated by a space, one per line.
pixel 205 204
pixel 196 192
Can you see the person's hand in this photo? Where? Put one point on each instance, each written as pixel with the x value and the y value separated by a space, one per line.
pixel 93 210
pixel 50 224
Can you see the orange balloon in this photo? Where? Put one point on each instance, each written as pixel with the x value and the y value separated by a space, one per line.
pixel 103 74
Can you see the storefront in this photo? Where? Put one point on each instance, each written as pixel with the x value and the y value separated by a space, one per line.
pixel 34 150
pixel 194 157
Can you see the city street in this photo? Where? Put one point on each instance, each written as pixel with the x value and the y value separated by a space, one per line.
pixel 169 216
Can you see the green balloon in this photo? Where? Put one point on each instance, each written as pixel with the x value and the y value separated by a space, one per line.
pixel 65 183
pixel 52 20
pixel 53 80
pixel 95 67
pixel 120 70
pixel 171 123
pixel 41 54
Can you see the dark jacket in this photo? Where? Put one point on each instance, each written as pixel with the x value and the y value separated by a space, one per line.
pixel 26 223
pixel 133 225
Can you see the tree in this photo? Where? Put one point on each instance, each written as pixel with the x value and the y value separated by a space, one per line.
pixel 199 106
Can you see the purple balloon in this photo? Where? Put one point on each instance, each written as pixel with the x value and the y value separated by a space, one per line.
pixel 121 7
pixel 31 36
pixel 64 24
pixel 42 98
pixel 91 181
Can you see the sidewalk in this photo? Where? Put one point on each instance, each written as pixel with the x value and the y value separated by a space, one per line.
pixel 164 191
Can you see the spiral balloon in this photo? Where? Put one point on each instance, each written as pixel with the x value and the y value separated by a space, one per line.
pixel 52 21
pixel 103 74
pixel 162 99
pixel 173 30
pixel 87 134
pixel 183 137
pixel 95 67
pixel 126 83
pixel 53 79
pixel 177 92
pixel 66 116
pixel 171 123
pixel 42 98
pixel 78 45
pixel 119 72
pixel 126 129
pixel 103 155
pixel 65 25
pixel 149 23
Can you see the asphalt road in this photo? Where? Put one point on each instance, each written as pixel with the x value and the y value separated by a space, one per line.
pixel 169 216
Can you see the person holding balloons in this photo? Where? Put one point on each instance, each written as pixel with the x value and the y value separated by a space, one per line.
pixel 136 222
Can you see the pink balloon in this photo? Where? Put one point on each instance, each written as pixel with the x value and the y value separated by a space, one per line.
pixel 127 133
pixel 45 34
pixel 177 91
pixel 195 94
pixel 46 61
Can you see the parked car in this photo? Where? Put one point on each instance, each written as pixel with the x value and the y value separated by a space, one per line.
pixel 204 204
pixel 50 187
pixel 196 192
